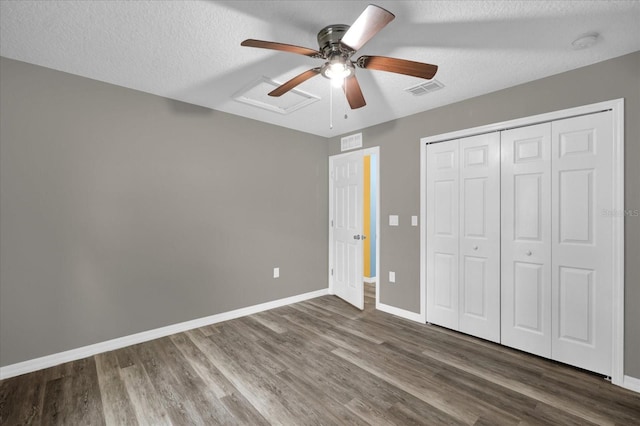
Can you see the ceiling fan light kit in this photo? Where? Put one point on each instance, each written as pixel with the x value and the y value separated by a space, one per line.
pixel 337 44
pixel 337 70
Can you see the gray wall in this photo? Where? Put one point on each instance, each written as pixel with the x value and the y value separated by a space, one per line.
pixel 122 212
pixel 400 170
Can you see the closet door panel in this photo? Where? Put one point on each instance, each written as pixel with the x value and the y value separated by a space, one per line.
pixel 526 239
pixel 528 305
pixel 442 233
pixel 480 236
pixel 582 159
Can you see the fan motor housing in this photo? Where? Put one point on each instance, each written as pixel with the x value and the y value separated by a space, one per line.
pixel 329 40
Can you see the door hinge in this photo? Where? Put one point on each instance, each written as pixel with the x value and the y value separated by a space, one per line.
pixel 332 223
pixel 331 271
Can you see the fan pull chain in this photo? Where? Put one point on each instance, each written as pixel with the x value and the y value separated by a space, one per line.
pixel 345 107
pixel 330 106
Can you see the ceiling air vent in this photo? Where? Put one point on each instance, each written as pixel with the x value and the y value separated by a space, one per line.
pixel 351 142
pixel 424 88
pixel 256 94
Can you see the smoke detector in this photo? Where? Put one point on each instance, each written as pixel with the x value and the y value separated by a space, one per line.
pixel 585 41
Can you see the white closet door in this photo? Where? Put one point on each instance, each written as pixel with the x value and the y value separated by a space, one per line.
pixel 479 274
pixel 442 234
pixel 526 239
pixel 582 155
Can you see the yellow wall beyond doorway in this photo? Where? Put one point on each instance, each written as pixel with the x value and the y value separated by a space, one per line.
pixel 366 222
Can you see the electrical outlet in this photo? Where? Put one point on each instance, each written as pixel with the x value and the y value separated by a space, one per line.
pixel 414 220
pixel 393 220
pixel 392 277
pixel 276 272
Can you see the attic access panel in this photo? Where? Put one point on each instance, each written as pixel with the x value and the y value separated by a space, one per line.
pixel 256 94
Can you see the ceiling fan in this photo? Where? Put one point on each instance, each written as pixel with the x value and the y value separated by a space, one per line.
pixel 337 44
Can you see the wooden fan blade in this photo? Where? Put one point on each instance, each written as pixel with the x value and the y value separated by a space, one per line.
pixel 398 66
pixel 353 92
pixel 300 78
pixel 282 47
pixel 368 24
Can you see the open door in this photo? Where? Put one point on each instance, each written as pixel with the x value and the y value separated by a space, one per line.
pixel 345 227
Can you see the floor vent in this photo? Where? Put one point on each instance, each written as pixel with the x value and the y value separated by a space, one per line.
pixel 424 88
pixel 256 94
pixel 351 142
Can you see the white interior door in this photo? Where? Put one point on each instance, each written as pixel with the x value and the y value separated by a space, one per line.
pixel 346 181
pixel 442 234
pixel 479 274
pixel 526 239
pixel 582 175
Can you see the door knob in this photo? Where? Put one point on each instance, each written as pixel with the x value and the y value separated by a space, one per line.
pixel 356 237
pixel 475 247
pixel 529 253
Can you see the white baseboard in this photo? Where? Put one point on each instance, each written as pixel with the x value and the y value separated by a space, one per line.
pixel 412 316
pixel 631 383
pixel 121 342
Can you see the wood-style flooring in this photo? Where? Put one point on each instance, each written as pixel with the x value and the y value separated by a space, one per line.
pixel 316 362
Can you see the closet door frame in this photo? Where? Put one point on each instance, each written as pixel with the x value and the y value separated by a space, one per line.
pixel 616 106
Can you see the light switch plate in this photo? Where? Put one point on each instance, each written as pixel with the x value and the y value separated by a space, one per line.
pixel 392 277
pixel 276 272
pixel 414 220
pixel 393 220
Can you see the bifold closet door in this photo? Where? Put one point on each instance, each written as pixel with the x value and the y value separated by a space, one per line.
pixel 463 235
pixel 526 239
pixel 582 268
pixel 479 250
pixel 442 233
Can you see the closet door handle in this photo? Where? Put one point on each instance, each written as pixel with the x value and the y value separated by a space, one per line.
pixel 356 237
pixel 475 247
pixel 529 253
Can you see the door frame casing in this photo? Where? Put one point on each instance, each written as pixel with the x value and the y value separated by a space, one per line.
pixel 366 151
pixel 616 106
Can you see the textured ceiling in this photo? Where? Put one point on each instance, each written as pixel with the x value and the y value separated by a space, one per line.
pixel 190 50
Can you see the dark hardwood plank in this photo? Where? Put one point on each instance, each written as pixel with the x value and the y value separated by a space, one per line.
pixel 75 397
pixel 251 358
pixel 21 399
pixel 330 409
pixel 180 410
pixel 259 391
pixel 124 357
pixel 343 312
pixel 545 414
pixel 148 407
pixel 189 385
pixel 208 372
pixel 242 410
pixel 54 401
pixel 334 335
pixel 415 414
pixel 270 321
pixel 369 414
pixel 116 403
